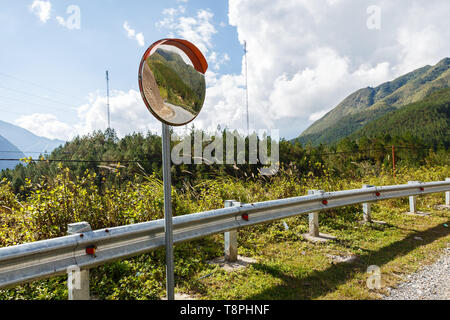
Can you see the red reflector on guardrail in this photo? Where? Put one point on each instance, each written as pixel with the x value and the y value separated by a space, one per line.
pixel 325 201
pixel 245 217
pixel 421 189
pixel 377 194
pixel 91 250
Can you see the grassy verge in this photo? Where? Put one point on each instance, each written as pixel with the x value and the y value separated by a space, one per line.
pixel 287 267
pixel 293 268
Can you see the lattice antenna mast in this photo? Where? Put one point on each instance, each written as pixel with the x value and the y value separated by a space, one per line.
pixel 246 87
pixel 107 98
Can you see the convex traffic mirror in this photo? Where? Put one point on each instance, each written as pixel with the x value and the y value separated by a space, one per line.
pixel 172 81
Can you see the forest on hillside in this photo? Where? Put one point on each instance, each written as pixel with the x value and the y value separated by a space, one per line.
pixel 136 156
pixel 426 86
pixel 428 120
pixel 108 182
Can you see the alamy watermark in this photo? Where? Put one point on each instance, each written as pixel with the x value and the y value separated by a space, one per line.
pixel 374 20
pixel 374 280
pixel 229 148
pixel 73 21
pixel 73 278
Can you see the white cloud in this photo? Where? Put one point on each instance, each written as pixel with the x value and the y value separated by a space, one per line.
pixel 61 21
pixel 128 114
pixel 304 57
pixel 317 115
pixel 46 125
pixel 41 9
pixel 171 12
pixel 217 60
pixel 131 33
pixel 419 47
pixel 127 110
pixel 198 29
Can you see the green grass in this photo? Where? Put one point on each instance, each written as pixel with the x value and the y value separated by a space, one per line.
pixel 287 267
pixel 296 269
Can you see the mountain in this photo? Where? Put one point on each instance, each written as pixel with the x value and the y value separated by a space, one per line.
pixel 9 151
pixel 428 120
pixel 369 104
pixel 27 142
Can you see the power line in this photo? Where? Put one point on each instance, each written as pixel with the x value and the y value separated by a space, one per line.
pixel 365 150
pixel 9 111
pixel 37 96
pixel 40 86
pixel 37 152
pixel 78 161
pixel 32 103
pixel 146 160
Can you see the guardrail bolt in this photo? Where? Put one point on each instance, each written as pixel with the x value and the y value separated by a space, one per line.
pixel 230 237
pixel 78 280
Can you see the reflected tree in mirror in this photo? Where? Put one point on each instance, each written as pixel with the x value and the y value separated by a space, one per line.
pixel 173 89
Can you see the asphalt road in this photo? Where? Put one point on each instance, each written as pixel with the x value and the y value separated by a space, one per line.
pixel 180 116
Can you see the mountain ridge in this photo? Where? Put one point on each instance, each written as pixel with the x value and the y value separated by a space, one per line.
pixel 9 151
pixel 370 103
pixel 26 141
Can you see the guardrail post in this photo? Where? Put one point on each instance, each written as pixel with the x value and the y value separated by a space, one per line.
pixel 447 199
pixel 314 235
pixel 313 218
pixel 367 210
pixel 413 200
pixel 447 196
pixel 413 204
pixel 78 280
pixel 230 237
pixel 78 284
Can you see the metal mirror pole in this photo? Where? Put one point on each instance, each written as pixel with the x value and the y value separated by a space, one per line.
pixel 168 212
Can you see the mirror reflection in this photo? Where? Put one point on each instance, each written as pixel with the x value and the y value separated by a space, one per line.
pixel 174 90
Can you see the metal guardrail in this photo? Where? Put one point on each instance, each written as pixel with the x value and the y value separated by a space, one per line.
pixel 47 258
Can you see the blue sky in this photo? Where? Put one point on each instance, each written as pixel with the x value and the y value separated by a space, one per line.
pixel 73 62
pixel 304 57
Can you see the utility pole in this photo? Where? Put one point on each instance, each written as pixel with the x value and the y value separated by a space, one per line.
pixel 393 160
pixel 107 97
pixel 246 86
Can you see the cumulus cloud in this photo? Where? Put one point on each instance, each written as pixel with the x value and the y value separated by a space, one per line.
pixel 304 57
pixel 46 125
pixel 41 9
pixel 131 33
pixel 128 114
pixel 198 29
pixel 216 60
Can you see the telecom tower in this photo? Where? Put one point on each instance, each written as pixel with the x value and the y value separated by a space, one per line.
pixel 246 86
pixel 107 98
